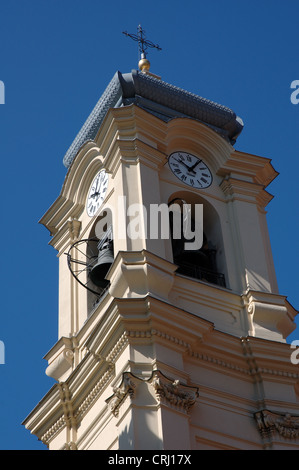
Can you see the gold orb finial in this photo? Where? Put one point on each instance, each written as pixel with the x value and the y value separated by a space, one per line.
pixel 144 64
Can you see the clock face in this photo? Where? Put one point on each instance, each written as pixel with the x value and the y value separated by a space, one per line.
pixel 97 193
pixel 190 170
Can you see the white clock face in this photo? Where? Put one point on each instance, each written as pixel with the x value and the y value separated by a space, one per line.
pixel 97 193
pixel 190 170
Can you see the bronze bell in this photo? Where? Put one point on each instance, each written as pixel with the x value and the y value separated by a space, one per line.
pixel 105 260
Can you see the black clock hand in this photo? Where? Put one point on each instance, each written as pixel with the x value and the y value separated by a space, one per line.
pixel 98 184
pixel 183 163
pixel 193 166
pixel 95 194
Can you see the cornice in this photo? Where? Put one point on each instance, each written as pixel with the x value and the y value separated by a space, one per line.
pixel 47 418
pixel 67 405
pixel 262 352
pixel 149 319
pixel 245 191
pixel 259 169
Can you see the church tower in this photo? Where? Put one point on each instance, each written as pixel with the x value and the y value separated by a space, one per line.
pixel 166 341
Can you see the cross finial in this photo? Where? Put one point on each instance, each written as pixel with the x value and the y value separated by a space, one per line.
pixel 143 44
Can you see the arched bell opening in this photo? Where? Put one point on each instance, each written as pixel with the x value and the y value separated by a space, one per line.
pixel 200 257
pixel 100 252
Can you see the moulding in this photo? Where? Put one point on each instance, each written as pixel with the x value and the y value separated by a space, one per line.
pixel 53 430
pixel 237 189
pixel 90 398
pixel 259 168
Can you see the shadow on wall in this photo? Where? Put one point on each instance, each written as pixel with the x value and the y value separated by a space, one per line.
pixel 139 434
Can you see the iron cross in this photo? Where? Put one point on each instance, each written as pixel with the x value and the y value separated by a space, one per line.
pixel 143 43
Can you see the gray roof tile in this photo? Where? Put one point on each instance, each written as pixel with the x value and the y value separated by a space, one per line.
pixel 161 99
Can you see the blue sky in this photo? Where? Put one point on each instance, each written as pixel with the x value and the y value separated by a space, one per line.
pixel 56 57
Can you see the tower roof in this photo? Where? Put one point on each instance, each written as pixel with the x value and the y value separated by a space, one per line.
pixel 159 98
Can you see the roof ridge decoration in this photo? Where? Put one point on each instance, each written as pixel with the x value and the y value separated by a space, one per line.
pixel 159 98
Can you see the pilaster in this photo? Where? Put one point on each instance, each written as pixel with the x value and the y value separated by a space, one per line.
pixel 246 200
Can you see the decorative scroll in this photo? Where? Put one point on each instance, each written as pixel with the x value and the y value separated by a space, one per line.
pixel 286 425
pixel 173 392
pixel 127 387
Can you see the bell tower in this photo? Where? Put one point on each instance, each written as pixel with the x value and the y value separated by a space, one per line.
pixel 166 341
